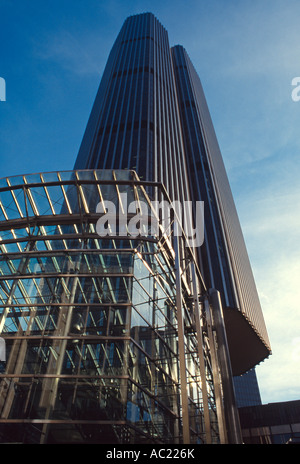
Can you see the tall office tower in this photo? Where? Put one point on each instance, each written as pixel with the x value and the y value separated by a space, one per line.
pixel 150 114
pixel 135 121
pixel 224 258
pixel 247 390
pixel 121 326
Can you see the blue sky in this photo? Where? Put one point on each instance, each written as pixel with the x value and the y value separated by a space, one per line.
pixel 246 53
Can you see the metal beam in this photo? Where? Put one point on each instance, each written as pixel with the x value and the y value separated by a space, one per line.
pixel 216 374
pixel 199 336
pixel 230 409
pixel 181 344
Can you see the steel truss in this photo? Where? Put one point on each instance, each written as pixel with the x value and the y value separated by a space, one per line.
pixel 109 339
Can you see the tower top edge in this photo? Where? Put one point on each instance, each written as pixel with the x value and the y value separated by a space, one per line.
pixel 146 13
pixel 178 46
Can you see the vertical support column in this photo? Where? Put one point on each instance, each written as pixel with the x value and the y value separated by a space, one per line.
pixel 230 409
pixel 216 375
pixel 181 347
pixel 51 385
pixel 207 423
pixel 17 355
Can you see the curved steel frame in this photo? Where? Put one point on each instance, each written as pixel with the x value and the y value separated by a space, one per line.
pixel 106 337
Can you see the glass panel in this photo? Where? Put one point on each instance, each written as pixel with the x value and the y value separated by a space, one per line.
pixel 32 178
pixel 90 326
pixel 16 180
pixel 9 206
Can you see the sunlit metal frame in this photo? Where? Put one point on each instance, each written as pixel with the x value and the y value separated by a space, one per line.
pixel 49 216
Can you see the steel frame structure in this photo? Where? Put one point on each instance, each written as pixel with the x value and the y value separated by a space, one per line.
pixel 109 339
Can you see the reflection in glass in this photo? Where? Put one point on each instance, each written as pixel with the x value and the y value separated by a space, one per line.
pixel 90 323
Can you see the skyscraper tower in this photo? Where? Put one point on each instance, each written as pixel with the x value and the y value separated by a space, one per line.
pixel 135 120
pixel 151 115
pixel 117 337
